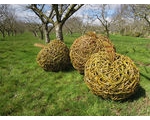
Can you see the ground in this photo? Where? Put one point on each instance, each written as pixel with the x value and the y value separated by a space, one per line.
pixel 26 89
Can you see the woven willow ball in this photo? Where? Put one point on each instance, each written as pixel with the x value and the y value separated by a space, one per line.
pixel 116 79
pixel 84 46
pixel 54 57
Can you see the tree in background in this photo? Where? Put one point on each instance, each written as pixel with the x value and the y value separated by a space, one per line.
pixel 55 14
pixel 102 16
pixel 34 26
pixel 41 10
pixel 78 24
pixel 9 25
pixel 128 20
pixel 3 17
pixel 72 25
pixel 124 19
pixel 142 12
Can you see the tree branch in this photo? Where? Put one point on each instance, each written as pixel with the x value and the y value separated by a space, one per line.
pixel 58 16
pixel 100 20
pixel 71 10
pixel 40 14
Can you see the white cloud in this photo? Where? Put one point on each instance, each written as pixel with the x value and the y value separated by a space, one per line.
pixel 87 13
pixel 23 12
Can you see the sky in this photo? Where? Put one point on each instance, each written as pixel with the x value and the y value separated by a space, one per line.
pixel 21 11
pixel 75 2
pixel 92 9
pixel 85 12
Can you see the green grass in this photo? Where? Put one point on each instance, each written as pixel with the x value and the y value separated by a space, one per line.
pixel 26 89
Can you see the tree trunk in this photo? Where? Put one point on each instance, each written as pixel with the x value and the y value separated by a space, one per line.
pixel 12 33
pixel 8 33
pixel 69 30
pixel 59 33
pixel 107 31
pixel 46 33
pixel 42 35
pixel 15 32
pixel 3 33
pixel 35 33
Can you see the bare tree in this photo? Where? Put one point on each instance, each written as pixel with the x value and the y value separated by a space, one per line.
pixel 79 24
pixel 3 17
pixel 34 28
pixel 120 20
pixel 10 23
pixel 72 25
pixel 56 14
pixel 142 11
pixel 41 11
pixel 8 20
pixel 129 19
pixel 103 14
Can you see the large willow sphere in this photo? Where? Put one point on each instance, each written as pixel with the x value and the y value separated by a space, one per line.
pixel 116 79
pixel 54 57
pixel 84 46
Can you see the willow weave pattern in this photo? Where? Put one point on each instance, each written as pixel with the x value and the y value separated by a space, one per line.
pixel 84 46
pixel 116 79
pixel 54 57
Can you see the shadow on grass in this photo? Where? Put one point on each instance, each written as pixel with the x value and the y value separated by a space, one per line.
pixel 69 68
pixel 138 94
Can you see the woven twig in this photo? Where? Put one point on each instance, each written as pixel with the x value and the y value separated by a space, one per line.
pixel 116 79
pixel 84 46
pixel 39 45
pixel 54 56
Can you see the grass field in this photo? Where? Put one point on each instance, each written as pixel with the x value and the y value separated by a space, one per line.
pixel 26 89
